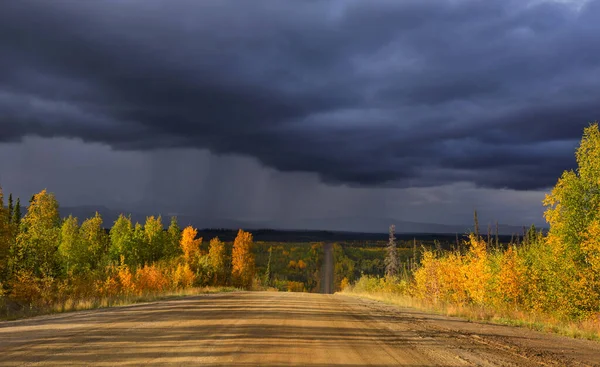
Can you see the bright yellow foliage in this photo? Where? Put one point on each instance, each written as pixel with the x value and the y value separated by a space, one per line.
pixel 216 253
pixel 344 284
pixel 511 278
pixel 455 278
pixel 242 260
pixel 183 277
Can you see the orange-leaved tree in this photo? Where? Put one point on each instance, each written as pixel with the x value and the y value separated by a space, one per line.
pixel 242 260
pixel 189 244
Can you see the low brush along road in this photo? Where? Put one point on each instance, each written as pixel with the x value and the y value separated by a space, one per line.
pixel 276 329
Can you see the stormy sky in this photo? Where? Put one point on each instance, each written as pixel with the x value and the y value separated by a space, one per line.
pixel 287 111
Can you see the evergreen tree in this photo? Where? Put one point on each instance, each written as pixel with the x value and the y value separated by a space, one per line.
pixel 391 259
pixel 10 208
pixel 268 271
pixel 16 216
pixel 5 238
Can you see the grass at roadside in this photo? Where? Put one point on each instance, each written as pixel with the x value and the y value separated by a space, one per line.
pixel 589 329
pixel 69 305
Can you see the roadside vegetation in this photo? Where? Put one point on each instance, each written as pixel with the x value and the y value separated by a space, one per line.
pixel 546 281
pixel 53 264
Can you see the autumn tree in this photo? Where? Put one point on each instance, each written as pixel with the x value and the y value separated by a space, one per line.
pixel 190 246
pixel 391 258
pixel 173 239
pixel 216 254
pixel 70 243
pixel 37 241
pixel 242 260
pixel 122 242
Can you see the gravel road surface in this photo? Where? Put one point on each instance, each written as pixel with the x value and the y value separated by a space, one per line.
pixel 278 329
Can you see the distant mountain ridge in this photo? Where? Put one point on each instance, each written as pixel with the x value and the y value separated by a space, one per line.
pixel 340 224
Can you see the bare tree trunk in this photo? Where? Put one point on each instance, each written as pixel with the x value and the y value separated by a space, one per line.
pixel 476 223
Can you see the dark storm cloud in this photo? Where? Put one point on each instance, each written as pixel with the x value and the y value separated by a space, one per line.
pixel 400 93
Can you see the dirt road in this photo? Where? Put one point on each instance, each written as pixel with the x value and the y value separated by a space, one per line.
pixel 327 269
pixel 275 329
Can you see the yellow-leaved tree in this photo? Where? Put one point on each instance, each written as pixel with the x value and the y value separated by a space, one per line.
pixel 242 260
pixel 216 254
pixel 37 242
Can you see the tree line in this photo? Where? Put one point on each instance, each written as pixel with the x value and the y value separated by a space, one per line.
pixel 44 257
pixel 555 274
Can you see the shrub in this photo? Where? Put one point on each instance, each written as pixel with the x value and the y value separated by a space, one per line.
pixel 183 276
pixel 295 286
pixel 150 279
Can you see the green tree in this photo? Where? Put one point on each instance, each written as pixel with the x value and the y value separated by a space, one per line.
pixel 573 212
pixel 155 239
pixel 70 244
pixel 37 241
pixel 122 241
pixel 94 242
pixel 140 244
pixel 574 202
pixel 216 254
pixel 173 239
